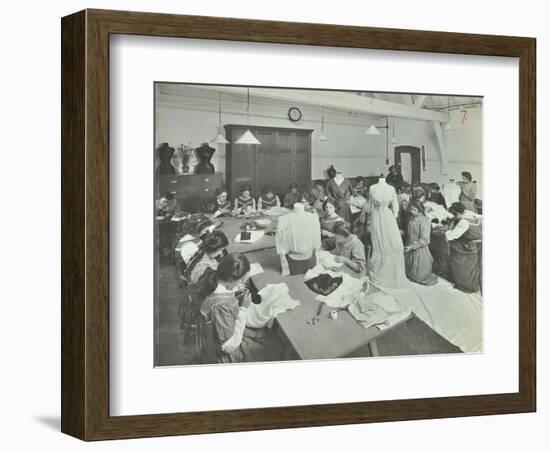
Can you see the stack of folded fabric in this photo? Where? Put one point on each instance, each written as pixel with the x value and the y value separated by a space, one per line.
pixel 378 309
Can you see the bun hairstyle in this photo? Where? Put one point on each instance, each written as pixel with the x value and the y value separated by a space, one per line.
pixel 212 242
pixel 467 175
pixel 267 189
pixel 331 172
pixel 457 208
pixel 231 268
pixel 342 229
pixel 246 187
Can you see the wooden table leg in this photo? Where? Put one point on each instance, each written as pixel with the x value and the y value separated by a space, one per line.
pixel 373 348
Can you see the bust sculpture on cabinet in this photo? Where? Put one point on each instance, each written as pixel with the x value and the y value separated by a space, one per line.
pixel 204 155
pixel 165 153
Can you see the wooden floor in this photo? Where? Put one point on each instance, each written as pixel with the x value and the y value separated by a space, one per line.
pixel 409 338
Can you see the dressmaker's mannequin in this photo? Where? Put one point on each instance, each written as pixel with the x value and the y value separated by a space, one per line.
pixel 297 240
pixel 386 267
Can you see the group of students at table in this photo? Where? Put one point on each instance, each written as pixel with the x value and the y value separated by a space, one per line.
pixel 319 219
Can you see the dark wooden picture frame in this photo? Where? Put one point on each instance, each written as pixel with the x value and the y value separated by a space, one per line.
pixel 85 224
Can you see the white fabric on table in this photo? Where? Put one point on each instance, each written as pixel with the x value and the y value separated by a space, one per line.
pixel 275 300
pixel 328 260
pixel 453 314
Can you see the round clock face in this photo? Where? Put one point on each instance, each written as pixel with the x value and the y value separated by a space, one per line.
pixel 294 114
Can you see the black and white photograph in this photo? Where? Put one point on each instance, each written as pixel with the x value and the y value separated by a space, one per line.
pixel 306 224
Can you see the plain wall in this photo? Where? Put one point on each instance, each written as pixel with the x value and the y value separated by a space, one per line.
pixel 193 120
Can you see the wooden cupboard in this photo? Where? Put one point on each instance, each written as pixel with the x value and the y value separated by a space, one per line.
pixel 283 158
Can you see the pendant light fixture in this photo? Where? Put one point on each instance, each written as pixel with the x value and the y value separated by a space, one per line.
pixel 248 138
pixel 323 137
pixel 373 131
pixel 448 126
pixel 220 138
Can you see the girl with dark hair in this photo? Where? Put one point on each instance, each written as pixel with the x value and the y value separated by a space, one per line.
pixel 349 249
pixel 436 196
pixel 268 199
pixel 328 222
pixel 465 250
pixel 226 312
pixel 331 172
pixel 211 250
pixel 340 190
pixel 292 196
pixel 167 205
pixel 221 204
pixel 245 202
pixel 468 191
pixel 418 259
pixel 394 177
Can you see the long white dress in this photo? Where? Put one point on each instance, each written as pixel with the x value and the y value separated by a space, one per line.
pixel 386 267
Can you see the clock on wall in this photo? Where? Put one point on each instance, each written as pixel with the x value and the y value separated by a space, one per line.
pixel 294 114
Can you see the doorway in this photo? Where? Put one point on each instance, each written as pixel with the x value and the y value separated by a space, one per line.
pixel 408 158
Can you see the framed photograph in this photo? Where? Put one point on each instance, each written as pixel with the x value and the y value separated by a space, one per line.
pixel 273 225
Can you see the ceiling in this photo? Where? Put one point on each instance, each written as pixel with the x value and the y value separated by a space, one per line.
pixel 374 104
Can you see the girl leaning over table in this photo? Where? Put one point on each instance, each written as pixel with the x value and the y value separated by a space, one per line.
pixel 225 312
pixel 349 249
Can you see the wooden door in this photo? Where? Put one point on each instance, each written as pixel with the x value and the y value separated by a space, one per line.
pixel 414 153
pixel 284 166
pixel 302 160
pixel 265 157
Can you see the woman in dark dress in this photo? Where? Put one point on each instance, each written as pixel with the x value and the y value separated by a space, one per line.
pixel 418 259
pixel 292 196
pixel 394 176
pixel 328 222
pixel 468 191
pixel 465 258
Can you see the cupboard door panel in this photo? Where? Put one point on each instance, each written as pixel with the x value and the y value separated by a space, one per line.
pixel 285 163
pixel 265 160
pixel 302 170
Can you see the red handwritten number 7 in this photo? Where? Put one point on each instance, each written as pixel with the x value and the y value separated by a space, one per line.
pixel 465 111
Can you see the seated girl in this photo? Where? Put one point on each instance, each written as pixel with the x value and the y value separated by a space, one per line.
pixel 245 203
pixel 328 222
pixel 228 336
pixel 268 199
pixel 167 206
pixel 349 249
pixel 211 250
pixel 292 196
pixel 221 204
pixel 418 259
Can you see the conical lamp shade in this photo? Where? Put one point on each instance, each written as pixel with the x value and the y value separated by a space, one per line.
pixel 219 139
pixel 322 137
pixel 372 131
pixel 448 127
pixel 393 140
pixel 248 139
